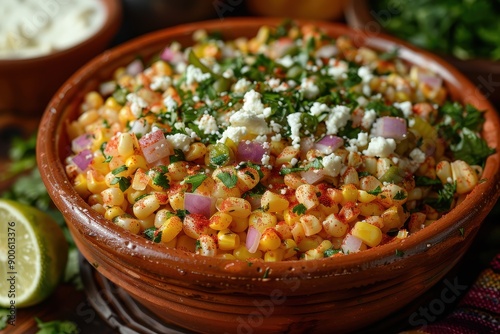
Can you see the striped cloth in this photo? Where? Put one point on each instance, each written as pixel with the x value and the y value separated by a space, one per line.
pixel 478 312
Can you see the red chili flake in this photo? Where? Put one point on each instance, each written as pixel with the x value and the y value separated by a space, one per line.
pixel 200 221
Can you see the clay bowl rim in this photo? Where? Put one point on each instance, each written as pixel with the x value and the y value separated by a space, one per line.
pixel 78 211
pixel 111 25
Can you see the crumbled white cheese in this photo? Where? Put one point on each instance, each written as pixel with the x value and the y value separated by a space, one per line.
pixel 235 133
pixel 309 89
pixel 360 141
pixel 229 73
pixel 194 74
pixel 255 124
pixel 170 103
pixel 365 74
pixel 318 108
pixel 380 147
pixel 406 107
pixel 417 155
pixel 161 83
pixel 295 125
pixel 337 69
pixel 275 127
pixel 294 161
pixel 337 119
pixel 180 141
pixel 137 103
pixel 332 165
pixel 276 137
pixel 369 117
pixel 207 124
pixel 265 159
pixel 286 61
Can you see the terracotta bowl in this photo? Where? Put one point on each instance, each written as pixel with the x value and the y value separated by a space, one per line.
pixel 26 85
pixel 484 73
pixel 206 294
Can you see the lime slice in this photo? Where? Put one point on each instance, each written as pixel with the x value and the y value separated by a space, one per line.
pixel 33 254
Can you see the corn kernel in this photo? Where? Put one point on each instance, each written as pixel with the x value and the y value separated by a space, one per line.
pixel 310 224
pixel 334 226
pixel 242 253
pixel 274 255
pixel 145 206
pixel 269 240
pixel 112 197
pixel 228 240
pixel 306 195
pixel 262 220
pixel 370 234
pixel 273 202
pixel 170 229
pixel 113 211
pixel 220 221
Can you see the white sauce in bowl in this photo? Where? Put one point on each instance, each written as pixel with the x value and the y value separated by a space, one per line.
pixel 34 28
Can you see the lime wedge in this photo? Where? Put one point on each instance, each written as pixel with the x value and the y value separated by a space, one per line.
pixel 33 254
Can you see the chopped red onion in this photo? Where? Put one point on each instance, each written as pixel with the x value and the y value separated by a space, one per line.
pixel 313 176
pixel 107 88
pixel 200 204
pixel 81 143
pixel 252 151
pixel 351 244
pixel 390 127
pixel 83 159
pixel 282 46
pixel 306 144
pixel 135 67
pixel 253 239
pixel 326 51
pixel 434 82
pixel 171 56
pixel 154 146
pixel 328 144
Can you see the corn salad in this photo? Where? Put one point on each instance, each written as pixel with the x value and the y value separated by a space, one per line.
pixel 288 145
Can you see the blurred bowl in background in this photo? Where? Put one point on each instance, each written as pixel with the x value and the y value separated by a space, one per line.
pixel 484 73
pixel 27 84
pixel 305 9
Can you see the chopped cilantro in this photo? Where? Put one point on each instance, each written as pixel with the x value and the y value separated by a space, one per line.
pixel 445 197
pixel 228 179
pixel 299 209
pixel 285 171
pixel 266 273
pixel 120 169
pixel 181 213
pixel 195 180
pixel 330 252
pixel 138 198
pixel 153 234
pixel 422 181
pixel 177 156
pixel 471 148
pixel 400 195
pixel 122 181
pixel 120 95
pixel 375 191
pixel 56 326
pixel 399 253
pixel 352 77
pixel 461 231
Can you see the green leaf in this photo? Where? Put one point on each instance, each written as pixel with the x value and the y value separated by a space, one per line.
pixel 422 181
pixel 445 197
pixel 123 182
pixel 4 317
pixel 399 253
pixel 120 95
pixel 195 180
pixel 56 327
pixel 471 148
pixel 120 169
pixel 331 251
pixel 400 195
pixel 177 156
pixel 228 179
pixel 153 234
pixel 375 191
pixel 285 171
pixel 299 209
pixel 181 213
